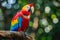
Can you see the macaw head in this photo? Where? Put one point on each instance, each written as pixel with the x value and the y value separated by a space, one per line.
pixel 27 10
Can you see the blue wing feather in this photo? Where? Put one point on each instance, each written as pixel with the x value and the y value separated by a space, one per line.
pixel 19 24
pixel 14 28
pixel 20 21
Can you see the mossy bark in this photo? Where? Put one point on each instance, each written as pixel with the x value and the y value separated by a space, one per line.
pixel 7 35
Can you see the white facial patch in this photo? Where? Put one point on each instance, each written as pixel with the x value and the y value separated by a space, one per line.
pixel 28 7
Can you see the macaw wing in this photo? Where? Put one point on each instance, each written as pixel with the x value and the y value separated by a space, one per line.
pixel 15 23
pixel 20 22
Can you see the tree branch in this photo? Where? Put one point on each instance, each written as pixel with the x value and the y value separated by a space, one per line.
pixel 14 35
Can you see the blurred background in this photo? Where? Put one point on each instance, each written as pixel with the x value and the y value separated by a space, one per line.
pixel 44 23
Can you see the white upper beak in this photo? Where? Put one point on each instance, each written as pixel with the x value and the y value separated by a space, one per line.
pixel 32 9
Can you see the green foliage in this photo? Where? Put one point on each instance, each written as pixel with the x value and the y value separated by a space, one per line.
pixel 0 10
pixel 30 24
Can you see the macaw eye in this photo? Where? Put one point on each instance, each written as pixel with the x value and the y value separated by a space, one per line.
pixel 28 7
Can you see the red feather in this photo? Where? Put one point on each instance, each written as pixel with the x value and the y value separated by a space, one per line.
pixel 25 24
pixel 25 12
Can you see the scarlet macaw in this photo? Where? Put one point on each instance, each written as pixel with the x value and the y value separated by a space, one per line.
pixel 20 21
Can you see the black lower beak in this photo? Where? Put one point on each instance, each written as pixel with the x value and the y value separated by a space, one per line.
pixel 29 10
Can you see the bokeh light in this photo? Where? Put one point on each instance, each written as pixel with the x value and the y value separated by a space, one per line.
pixel 47 9
pixel 16 6
pixel 4 4
pixel 30 24
pixel 53 16
pixel 44 22
pixel 37 13
pixel 56 3
pixel 48 28
pixel 11 1
pixel 8 6
pixel 35 24
pixel 55 20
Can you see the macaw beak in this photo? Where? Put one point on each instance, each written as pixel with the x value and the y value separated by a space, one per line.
pixel 32 7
